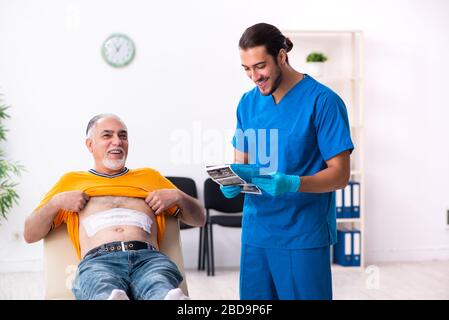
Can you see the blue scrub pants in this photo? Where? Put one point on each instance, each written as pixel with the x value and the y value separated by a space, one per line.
pixel 272 274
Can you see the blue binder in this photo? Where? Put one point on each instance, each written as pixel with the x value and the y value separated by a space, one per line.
pixel 356 247
pixel 347 201
pixel 342 251
pixel 355 199
pixel 339 203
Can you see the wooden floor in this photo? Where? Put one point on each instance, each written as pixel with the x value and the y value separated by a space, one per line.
pixel 413 280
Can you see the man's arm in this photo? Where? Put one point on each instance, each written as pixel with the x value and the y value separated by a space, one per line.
pixel 335 176
pixel 38 223
pixel 240 157
pixel 192 212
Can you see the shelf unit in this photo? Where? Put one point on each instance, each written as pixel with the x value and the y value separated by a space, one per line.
pixel 344 73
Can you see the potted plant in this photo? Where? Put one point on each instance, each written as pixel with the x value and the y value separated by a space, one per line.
pixel 8 194
pixel 315 61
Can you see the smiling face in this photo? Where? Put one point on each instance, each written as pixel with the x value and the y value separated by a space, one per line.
pixel 262 69
pixel 108 143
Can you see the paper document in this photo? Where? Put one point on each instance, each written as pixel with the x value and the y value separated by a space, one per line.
pixel 223 175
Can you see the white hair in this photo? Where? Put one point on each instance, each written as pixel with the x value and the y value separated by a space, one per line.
pixel 93 122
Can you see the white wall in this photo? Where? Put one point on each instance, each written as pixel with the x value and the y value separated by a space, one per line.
pixel 186 77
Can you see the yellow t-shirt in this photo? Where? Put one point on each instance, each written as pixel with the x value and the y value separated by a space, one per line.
pixel 134 183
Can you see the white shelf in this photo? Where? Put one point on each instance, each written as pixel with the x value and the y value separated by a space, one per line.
pixel 322 32
pixel 338 267
pixel 348 220
pixel 329 79
pixel 343 73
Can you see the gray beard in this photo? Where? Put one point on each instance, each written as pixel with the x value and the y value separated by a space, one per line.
pixel 114 164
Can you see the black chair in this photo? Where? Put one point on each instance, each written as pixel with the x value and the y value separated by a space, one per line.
pixel 230 216
pixel 188 186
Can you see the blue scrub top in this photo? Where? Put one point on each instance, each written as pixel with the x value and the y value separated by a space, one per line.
pixel 312 127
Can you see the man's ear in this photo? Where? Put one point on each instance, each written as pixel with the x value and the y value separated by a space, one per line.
pixel 89 144
pixel 282 57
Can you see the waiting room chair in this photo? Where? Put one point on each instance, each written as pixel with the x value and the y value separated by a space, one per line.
pixel 60 260
pixel 230 216
pixel 188 186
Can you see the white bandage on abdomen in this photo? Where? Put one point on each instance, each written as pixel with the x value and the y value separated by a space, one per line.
pixel 116 217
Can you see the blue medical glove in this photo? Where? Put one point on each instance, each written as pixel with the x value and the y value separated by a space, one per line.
pixel 230 191
pixel 278 183
pixel 246 171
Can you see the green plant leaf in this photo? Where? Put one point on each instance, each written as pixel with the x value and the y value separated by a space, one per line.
pixel 316 57
pixel 8 195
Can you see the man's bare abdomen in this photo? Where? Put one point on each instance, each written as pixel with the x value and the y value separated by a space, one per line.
pixel 118 232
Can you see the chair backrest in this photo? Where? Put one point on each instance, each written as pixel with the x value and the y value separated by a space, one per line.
pixel 60 260
pixel 214 199
pixel 185 184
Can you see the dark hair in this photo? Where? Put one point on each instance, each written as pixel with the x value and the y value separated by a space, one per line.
pixel 264 34
pixel 94 120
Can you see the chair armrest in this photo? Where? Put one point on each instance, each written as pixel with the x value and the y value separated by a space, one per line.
pixel 60 263
pixel 171 246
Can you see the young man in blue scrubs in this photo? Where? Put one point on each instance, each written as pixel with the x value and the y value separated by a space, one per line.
pixel 302 127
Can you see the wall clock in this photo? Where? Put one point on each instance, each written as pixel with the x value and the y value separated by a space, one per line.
pixel 118 50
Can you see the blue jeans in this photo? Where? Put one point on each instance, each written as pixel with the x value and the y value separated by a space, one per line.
pixel 143 274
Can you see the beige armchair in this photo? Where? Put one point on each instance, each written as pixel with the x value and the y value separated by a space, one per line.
pixel 60 260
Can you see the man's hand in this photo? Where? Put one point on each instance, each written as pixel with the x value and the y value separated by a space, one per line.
pixel 70 200
pixel 162 199
pixel 246 171
pixel 278 183
pixel 231 191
